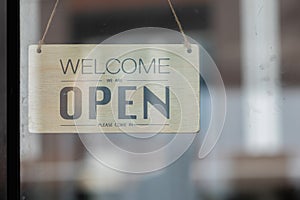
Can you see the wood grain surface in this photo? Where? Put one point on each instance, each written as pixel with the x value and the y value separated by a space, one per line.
pixel 140 88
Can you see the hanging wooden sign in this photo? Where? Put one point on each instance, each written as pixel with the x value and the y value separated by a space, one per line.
pixel 136 88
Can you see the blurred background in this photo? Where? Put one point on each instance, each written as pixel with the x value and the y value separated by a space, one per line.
pixel 255 44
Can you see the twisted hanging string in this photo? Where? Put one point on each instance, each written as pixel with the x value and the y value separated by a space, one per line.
pixel 39 48
pixel 187 44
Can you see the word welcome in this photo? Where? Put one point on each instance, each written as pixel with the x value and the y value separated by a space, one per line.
pixel 115 66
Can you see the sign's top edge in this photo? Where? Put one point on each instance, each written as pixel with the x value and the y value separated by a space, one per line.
pixel 146 45
pixel 87 45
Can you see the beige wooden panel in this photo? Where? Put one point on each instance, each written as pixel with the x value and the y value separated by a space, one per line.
pixel 141 88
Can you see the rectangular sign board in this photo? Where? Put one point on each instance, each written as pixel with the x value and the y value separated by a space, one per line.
pixel 114 88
